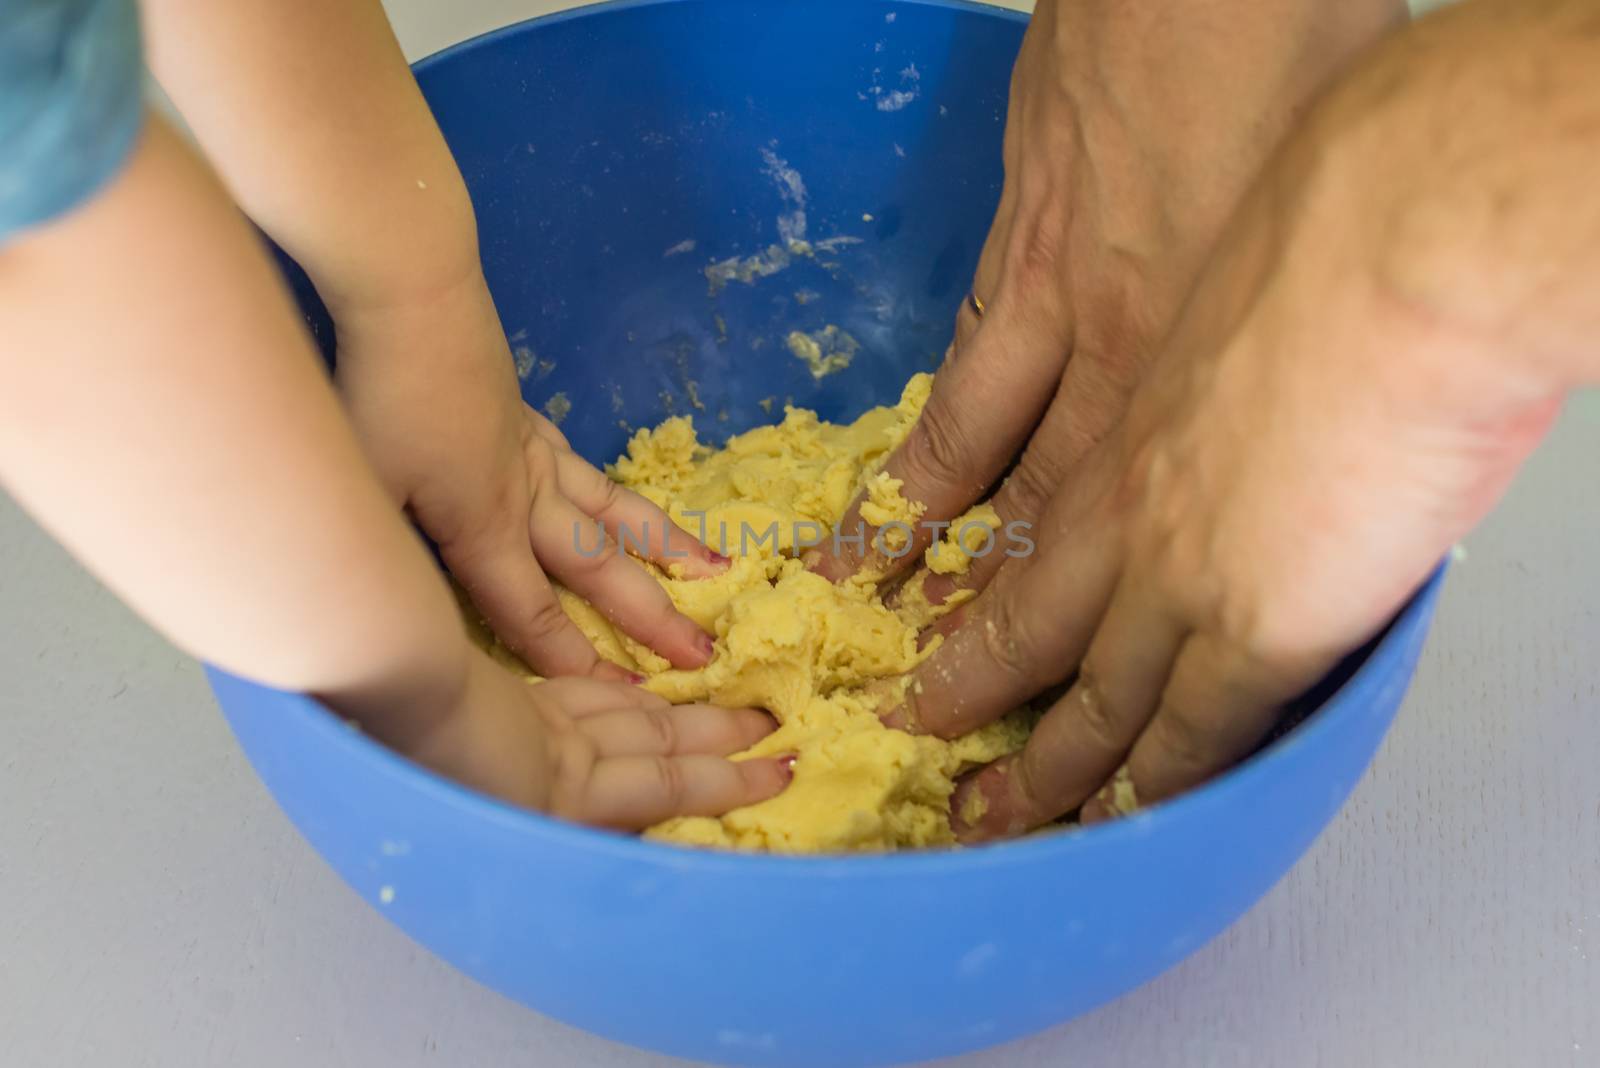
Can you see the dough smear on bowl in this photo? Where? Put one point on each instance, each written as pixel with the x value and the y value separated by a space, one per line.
pixel 822 658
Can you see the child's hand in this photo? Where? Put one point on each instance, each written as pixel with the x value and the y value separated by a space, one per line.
pixel 598 752
pixel 429 383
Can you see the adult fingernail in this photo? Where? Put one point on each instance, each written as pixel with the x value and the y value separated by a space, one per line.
pixel 787 763
pixel 968 806
pixel 829 567
pixel 951 623
pixel 705 643
pixel 981 808
pixel 636 678
pixel 938 588
pixel 717 558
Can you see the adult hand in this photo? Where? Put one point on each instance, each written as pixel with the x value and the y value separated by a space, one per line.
pixel 430 386
pixel 1384 335
pixel 1132 132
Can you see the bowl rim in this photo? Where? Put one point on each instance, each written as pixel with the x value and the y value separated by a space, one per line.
pixel 604 7
pixel 1199 803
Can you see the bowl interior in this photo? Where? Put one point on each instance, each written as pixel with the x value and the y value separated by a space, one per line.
pixel 666 189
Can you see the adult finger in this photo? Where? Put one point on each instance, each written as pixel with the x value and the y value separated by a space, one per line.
pixel 577 553
pixel 982 407
pixel 986 277
pixel 1031 627
pixel 675 730
pixel 1090 402
pixel 1023 634
pixel 633 792
pixel 1220 703
pixel 638 525
pixel 1083 737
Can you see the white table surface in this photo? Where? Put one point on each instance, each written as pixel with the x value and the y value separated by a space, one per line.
pixel 156 908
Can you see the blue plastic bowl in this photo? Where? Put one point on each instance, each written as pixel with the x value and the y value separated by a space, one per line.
pixel 613 153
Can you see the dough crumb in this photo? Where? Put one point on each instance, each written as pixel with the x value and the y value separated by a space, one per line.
pixel 1123 799
pixel 557 408
pixel 823 351
pixel 967 538
pixel 886 508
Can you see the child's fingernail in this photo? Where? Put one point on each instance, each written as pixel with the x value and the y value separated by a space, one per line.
pixel 610 672
pixel 636 678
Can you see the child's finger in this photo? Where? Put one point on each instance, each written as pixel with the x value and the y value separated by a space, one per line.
pixel 675 730
pixel 635 792
pixel 505 583
pixel 638 525
pixel 569 545
pixel 580 697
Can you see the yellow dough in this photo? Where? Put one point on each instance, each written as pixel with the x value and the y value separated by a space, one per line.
pixel 822 658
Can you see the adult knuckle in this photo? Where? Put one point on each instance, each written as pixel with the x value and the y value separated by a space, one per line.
pixel 936 449
pixel 1011 636
pixel 1041 784
pixel 1232 616
pixel 1029 488
pixel 1037 249
pixel 1097 713
pixel 1040 252
pixel 1186 742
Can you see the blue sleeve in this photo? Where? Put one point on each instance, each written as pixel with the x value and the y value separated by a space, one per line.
pixel 71 103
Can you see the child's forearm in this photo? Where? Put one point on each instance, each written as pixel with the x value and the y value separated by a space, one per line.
pixel 163 414
pixel 308 111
